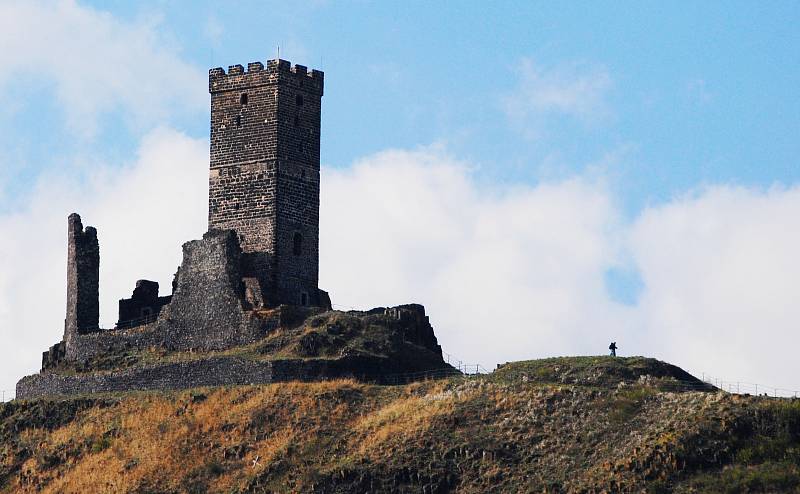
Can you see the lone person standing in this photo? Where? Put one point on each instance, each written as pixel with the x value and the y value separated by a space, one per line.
pixel 613 348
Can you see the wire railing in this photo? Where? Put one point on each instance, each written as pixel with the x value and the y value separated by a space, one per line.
pixel 344 307
pixel 411 377
pixel 463 366
pixel 6 395
pixel 748 388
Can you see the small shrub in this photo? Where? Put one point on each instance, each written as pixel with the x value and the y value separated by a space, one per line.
pixel 100 445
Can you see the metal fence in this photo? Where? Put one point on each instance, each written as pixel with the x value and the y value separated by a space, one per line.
pixel 6 395
pixel 742 388
pixel 464 367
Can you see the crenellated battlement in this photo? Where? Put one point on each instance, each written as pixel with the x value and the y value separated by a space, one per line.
pixel 256 74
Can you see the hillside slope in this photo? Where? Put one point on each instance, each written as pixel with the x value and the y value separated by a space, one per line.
pixel 556 425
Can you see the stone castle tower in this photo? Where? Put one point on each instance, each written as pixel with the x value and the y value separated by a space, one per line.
pixel 264 177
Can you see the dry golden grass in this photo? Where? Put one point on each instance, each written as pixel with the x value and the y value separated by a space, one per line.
pixel 400 420
pixel 161 440
pixel 467 436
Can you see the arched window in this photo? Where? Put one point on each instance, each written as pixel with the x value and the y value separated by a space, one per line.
pixel 243 99
pixel 297 247
pixel 299 100
pixel 303 299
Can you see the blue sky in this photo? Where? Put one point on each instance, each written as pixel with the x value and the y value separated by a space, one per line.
pixel 624 147
pixel 696 92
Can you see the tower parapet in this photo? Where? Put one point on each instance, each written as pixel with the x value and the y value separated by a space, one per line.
pixel 257 74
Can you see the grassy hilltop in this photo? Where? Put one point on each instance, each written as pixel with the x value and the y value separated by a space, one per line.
pixel 587 424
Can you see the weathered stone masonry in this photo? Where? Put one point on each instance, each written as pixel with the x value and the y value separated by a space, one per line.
pixel 264 178
pixel 143 307
pixel 83 279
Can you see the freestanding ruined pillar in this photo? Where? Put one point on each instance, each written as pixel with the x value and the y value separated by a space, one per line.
pixel 83 277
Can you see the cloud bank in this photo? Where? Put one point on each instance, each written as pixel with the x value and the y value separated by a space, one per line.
pixel 514 273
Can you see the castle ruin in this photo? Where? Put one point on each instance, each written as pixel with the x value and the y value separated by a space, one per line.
pixel 255 269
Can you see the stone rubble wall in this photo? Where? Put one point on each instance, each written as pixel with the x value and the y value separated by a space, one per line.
pixel 207 311
pixel 180 375
pixel 214 371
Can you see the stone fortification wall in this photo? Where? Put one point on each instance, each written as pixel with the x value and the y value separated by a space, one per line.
pixel 85 347
pixel 218 371
pixel 205 313
pixel 207 309
pixel 179 375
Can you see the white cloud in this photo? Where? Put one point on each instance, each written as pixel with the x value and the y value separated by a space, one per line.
pixel 721 272
pixel 519 272
pixel 143 212
pixel 505 274
pixel 576 90
pixel 97 63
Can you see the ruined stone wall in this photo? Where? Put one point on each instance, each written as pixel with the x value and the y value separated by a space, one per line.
pixel 180 375
pixel 143 307
pixel 264 177
pixel 206 311
pixel 109 341
pixel 83 279
pixel 415 324
pixel 215 371
pixel 158 335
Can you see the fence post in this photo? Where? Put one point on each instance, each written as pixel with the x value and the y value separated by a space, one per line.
pixel 756 389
